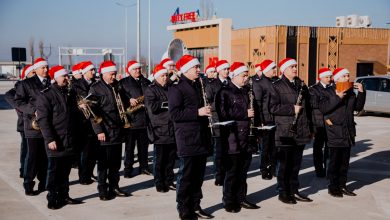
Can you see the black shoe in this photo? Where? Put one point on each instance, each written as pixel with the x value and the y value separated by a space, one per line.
pixel 186 216
pixel 202 214
pixel 335 193
pixel 105 197
pixel 30 192
pixel 287 199
pixel 120 193
pixel 70 201
pixel 248 205
pixel 347 192
pixel 266 175
pixel 146 172
pixel 94 177
pixel 52 205
pixel 232 208
pixel 172 187
pixel 218 183
pixel 86 182
pixel 162 189
pixel 128 175
pixel 301 198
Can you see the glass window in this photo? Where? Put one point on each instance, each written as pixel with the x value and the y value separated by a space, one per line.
pixel 384 85
pixel 371 84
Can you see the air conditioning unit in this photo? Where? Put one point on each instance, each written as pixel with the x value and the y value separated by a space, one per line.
pixel 364 21
pixel 352 21
pixel 341 21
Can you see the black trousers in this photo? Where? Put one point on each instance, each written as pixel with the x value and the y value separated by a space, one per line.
pixel 338 166
pixel 58 172
pixel 289 164
pixel 109 163
pixel 235 186
pixel 163 163
pixel 35 164
pixel 137 137
pixel 219 170
pixel 23 153
pixel 320 150
pixel 189 183
pixel 267 151
pixel 88 157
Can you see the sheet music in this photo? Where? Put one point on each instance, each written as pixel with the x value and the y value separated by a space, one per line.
pixel 223 123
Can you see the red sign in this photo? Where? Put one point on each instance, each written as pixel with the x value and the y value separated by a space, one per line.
pixel 186 17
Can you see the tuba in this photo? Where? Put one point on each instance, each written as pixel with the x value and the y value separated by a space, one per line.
pixel 121 109
pixel 140 104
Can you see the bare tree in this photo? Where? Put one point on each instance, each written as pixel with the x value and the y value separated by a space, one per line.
pixel 41 50
pixel 207 8
pixel 31 48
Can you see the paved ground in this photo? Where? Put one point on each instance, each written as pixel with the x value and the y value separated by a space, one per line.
pixel 369 176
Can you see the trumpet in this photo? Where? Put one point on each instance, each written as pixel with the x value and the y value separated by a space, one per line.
pixel 140 104
pixel 121 109
pixel 87 111
pixel 34 123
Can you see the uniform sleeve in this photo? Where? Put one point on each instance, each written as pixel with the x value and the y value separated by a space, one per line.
pixel 44 118
pixel 97 128
pixel 152 102
pixel 222 103
pixel 314 98
pixel 22 99
pixel 277 108
pixel 258 93
pixel 328 103
pixel 360 101
pixel 177 109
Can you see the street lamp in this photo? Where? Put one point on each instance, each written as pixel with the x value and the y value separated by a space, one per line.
pixel 125 6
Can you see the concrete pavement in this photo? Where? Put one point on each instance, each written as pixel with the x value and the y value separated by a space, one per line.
pixel 369 176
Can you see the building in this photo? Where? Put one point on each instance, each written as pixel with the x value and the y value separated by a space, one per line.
pixel 363 51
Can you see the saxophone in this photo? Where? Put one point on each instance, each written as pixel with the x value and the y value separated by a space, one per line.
pixel 121 109
pixel 140 104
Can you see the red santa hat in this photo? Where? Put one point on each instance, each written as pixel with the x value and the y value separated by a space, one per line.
pixel 286 63
pixel 86 66
pixel 132 64
pixel 209 69
pixel 339 72
pixel 324 72
pixel 40 62
pixel 267 65
pixel 159 70
pixel 186 62
pixel 237 68
pixel 222 64
pixel 107 66
pixel 257 68
pixel 57 71
pixel 76 69
pixel 166 62
pixel 26 70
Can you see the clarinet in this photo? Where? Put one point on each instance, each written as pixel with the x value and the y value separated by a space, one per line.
pixel 206 103
pixel 252 137
pixel 293 126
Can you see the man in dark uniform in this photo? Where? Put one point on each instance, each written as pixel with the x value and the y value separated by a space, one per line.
pixel 222 68
pixel 27 72
pixel 320 146
pixel 57 118
pixel 134 87
pixel 210 74
pixel 161 130
pixel 193 137
pixel 232 103
pixel 290 142
pixel 109 131
pixel 263 90
pixel 25 101
pixel 87 138
pixel 168 64
pixel 338 108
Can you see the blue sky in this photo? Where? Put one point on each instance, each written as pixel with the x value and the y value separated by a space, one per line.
pixel 100 23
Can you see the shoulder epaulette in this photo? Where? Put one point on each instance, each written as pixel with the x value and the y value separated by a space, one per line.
pixel 45 90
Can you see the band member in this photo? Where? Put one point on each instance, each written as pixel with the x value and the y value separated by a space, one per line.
pixel 210 74
pixel 27 72
pixel 290 105
pixel 76 71
pixel 57 118
pixel 320 146
pixel 222 68
pixel 168 64
pixel 263 90
pixel 25 101
pixel 192 134
pixel 134 86
pixel 86 137
pixel 233 103
pixel 338 107
pixel 109 131
pixel 161 129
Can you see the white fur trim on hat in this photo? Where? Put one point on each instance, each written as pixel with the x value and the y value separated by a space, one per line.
pixel 61 72
pixel 222 66
pixel 133 66
pixel 239 70
pixel 189 65
pixel 169 62
pixel 108 69
pixel 40 63
pixel 326 73
pixel 160 72
pixel 210 69
pixel 287 64
pixel 88 68
pixel 28 70
pixel 340 74
pixel 269 67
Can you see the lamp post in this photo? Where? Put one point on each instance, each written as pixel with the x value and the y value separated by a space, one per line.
pixel 126 7
pixel 149 43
